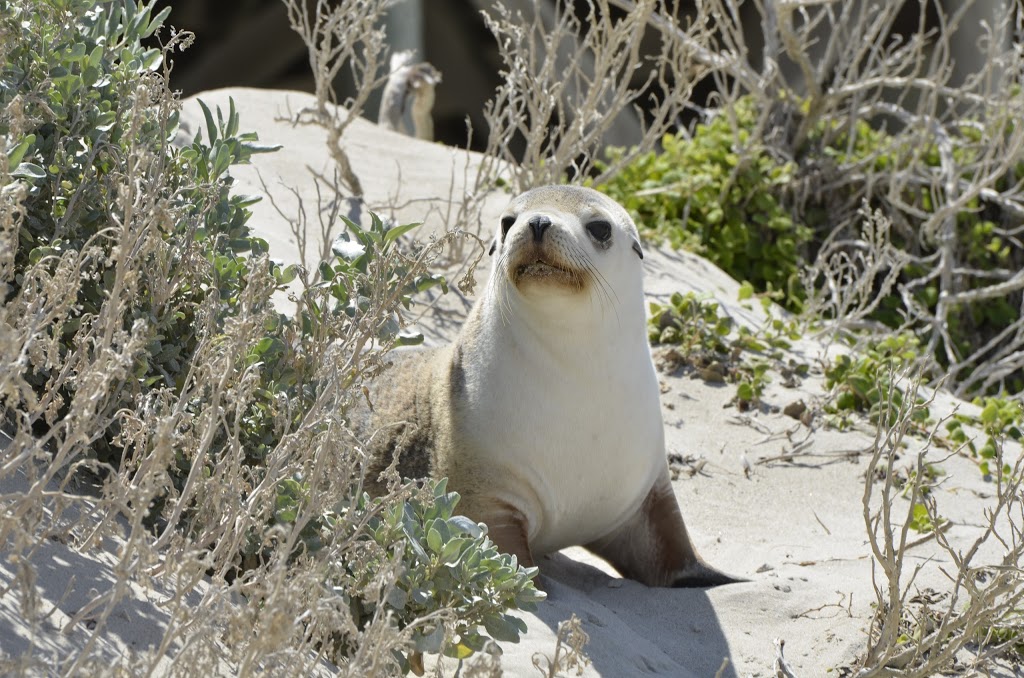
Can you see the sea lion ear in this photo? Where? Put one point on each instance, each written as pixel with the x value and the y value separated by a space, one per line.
pixel 494 246
pixel 636 248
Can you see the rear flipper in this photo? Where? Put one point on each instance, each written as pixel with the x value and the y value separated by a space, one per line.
pixel 654 548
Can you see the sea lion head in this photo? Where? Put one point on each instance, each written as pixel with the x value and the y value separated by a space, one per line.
pixel 565 240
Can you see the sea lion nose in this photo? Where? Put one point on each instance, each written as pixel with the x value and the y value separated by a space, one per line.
pixel 539 224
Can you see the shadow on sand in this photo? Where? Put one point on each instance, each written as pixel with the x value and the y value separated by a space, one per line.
pixel 634 629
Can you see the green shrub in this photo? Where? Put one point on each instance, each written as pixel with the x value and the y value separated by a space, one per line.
pixel 91 124
pixel 448 564
pixel 738 192
pixel 721 194
pixel 862 382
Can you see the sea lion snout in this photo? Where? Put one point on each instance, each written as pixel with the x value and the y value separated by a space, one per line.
pixel 538 224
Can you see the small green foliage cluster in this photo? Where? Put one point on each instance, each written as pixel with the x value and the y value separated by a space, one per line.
pixel 861 383
pixel 1009 634
pixel 1000 418
pixel 354 256
pixel 922 521
pixel 447 563
pixel 712 343
pixel 777 335
pixel 720 194
pixel 690 321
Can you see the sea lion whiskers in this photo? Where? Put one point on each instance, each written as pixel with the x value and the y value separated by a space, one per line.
pixel 604 291
pixel 501 279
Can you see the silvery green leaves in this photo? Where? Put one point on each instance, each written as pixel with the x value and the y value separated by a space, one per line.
pixel 19 169
pixel 367 260
pixel 449 562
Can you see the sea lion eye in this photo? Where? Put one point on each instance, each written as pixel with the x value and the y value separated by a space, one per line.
pixel 506 223
pixel 600 230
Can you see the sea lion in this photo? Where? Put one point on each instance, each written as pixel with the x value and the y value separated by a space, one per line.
pixel 544 413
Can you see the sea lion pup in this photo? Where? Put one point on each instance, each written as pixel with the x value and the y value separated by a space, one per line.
pixel 544 412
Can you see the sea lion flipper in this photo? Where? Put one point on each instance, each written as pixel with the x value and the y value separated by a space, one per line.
pixel 506 526
pixel 700 575
pixel 654 547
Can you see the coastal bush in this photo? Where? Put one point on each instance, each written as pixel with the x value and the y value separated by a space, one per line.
pixel 861 382
pixel 448 564
pixel 763 206
pixel 710 342
pixel 86 121
pixel 722 193
pixel 143 355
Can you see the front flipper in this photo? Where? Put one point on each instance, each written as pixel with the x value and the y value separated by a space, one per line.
pixel 506 526
pixel 654 548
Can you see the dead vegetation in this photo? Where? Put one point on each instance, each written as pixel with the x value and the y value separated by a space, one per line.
pixel 916 632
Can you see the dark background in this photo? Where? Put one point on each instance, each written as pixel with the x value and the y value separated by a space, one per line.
pixel 249 43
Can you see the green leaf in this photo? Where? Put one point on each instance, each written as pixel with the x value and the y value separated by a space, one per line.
pixel 398 231
pixel 434 540
pixel 90 75
pixel 466 526
pixel 29 170
pixel 397 598
pixel 409 338
pixel 451 551
pixel 990 414
pixel 285 275
pixel 253 148
pixel 15 155
pixel 96 56
pixel 156 22
pixel 151 59
pixel 459 651
pixel 504 627
pixel 211 128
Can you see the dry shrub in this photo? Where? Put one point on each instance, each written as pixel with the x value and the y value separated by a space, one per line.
pixel 157 401
pixel 567 81
pixel 913 633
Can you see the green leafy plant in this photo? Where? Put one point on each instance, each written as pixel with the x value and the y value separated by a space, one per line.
pixel 1009 634
pixel 691 322
pixel 353 275
pixel 861 382
pixel 746 195
pixel 449 563
pixel 712 343
pixel 752 379
pixel 449 571
pixel 922 521
pixel 77 141
pixel 1000 419
pixel 722 195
